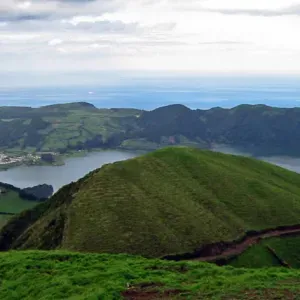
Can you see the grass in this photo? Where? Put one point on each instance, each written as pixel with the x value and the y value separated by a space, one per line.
pixel 258 256
pixel 12 203
pixel 287 249
pixel 189 197
pixel 137 144
pixel 171 201
pixel 65 275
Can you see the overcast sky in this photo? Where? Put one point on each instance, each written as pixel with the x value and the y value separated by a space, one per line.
pixel 248 36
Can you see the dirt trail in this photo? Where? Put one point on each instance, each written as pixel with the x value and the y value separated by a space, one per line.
pixel 221 252
pixel 249 241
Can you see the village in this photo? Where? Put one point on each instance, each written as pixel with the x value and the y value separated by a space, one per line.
pixel 12 160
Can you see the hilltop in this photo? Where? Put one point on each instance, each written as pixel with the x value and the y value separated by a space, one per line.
pixel 65 128
pixel 171 201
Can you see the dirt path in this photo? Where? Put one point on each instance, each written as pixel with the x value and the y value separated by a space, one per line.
pixel 221 252
pixel 239 248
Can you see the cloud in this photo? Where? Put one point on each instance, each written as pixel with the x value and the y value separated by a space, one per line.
pixel 221 42
pixel 55 42
pixel 14 10
pixel 24 5
pixel 75 1
pixel 102 25
pixel 23 17
pixel 293 10
pixel 194 35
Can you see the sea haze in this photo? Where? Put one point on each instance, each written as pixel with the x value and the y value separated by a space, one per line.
pixel 194 92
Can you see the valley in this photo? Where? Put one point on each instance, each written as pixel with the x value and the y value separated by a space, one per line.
pixel 166 217
pixel 149 150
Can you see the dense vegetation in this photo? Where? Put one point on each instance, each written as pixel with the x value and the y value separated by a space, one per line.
pixel 66 275
pixel 39 193
pixel 258 129
pixel 73 126
pixel 170 201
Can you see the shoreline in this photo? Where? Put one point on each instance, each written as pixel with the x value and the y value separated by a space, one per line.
pixel 61 158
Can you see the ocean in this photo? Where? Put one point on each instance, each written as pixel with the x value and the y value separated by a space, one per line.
pixel 194 92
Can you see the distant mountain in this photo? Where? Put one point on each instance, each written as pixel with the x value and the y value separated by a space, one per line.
pixel 171 201
pixel 258 129
pixel 39 193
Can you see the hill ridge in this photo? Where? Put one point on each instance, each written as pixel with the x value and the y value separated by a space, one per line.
pixel 258 129
pixel 171 201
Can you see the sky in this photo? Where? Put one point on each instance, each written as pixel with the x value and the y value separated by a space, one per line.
pixel 175 36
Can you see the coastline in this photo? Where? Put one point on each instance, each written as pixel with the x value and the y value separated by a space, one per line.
pixel 60 158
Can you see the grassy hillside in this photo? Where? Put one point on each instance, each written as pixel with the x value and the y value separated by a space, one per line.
pixel 71 126
pixel 286 249
pixel 171 201
pixel 11 202
pixel 51 275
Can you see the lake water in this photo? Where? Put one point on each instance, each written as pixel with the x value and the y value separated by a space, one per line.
pixel 287 162
pixel 78 167
pixel 73 169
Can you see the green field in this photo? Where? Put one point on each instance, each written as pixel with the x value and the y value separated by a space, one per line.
pixel 62 128
pixel 12 203
pixel 170 201
pixel 64 275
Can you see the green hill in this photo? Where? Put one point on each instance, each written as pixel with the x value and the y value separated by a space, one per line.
pixel 171 201
pixel 58 275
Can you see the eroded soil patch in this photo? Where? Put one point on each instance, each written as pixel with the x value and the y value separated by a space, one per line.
pixel 150 291
pixel 270 294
